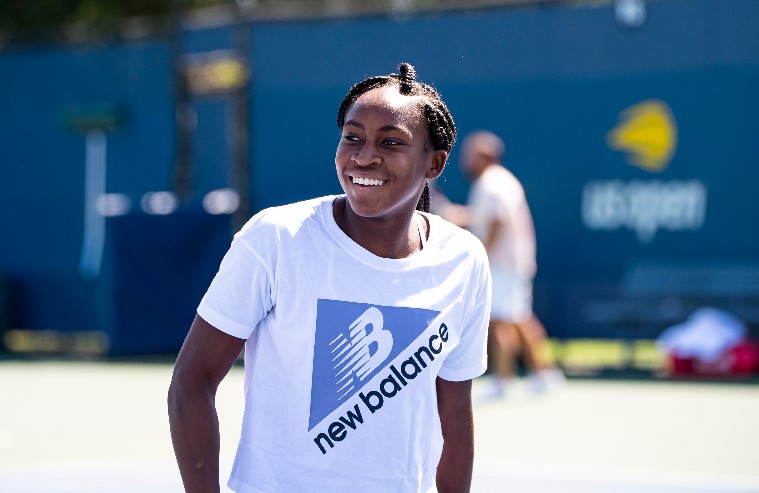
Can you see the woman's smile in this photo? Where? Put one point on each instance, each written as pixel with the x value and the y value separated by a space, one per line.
pixel 370 182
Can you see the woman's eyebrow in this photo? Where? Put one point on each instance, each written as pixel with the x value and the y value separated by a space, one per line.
pixel 354 123
pixel 388 128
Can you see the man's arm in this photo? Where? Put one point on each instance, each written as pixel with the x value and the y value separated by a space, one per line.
pixel 495 228
pixel 204 360
pixel 454 473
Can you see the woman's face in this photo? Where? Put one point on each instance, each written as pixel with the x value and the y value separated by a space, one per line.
pixel 385 154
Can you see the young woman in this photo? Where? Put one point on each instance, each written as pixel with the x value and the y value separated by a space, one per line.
pixel 364 321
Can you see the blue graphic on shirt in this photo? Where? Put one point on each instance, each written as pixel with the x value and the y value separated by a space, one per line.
pixel 354 342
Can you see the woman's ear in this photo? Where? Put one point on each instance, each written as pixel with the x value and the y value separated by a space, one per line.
pixel 439 157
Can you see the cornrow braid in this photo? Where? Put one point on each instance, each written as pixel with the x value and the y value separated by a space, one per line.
pixel 439 120
pixel 424 200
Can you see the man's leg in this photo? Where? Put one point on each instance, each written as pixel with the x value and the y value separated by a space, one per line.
pixel 503 348
pixel 543 375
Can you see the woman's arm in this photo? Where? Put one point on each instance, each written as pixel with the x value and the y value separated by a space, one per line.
pixel 454 473
pixel 204 360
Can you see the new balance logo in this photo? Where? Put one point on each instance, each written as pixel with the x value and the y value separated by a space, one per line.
pixel 353 358
pixel 396 379
pixel 353 343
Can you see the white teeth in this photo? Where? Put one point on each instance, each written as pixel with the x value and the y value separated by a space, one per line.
pixel 367 181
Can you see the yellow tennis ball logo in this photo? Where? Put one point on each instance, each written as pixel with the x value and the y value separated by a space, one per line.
pixel 647 133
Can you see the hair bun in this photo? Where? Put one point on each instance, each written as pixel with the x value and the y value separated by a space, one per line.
pixel 407 78
pixel 408 74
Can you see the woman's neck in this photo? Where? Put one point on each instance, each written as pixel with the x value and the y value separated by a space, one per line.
pixel 395 237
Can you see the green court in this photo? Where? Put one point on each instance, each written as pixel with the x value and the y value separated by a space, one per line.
pixel 102 426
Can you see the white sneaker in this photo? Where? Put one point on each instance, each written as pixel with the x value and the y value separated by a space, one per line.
pixel 498 388
pixel 546 380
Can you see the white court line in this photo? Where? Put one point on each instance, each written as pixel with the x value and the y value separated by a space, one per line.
pixel 161 476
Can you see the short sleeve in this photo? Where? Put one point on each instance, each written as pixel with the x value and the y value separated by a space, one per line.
pixel 240 294
pixel 468 359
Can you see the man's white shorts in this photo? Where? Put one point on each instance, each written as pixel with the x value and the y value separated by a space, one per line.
pixel 512 296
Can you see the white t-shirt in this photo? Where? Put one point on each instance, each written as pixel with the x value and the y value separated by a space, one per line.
pixel 343 350
pixel 497 194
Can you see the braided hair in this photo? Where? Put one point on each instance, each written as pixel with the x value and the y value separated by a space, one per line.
pixel 439 119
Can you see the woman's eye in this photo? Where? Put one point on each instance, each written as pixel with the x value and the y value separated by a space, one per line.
pixel 351 138
pixel 393 142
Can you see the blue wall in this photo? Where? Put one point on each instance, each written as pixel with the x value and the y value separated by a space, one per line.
pixel 42 172
pixel 553 81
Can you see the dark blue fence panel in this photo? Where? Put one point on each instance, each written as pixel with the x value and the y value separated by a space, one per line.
pixel 42 176
pixel 559 83
pixel 554 82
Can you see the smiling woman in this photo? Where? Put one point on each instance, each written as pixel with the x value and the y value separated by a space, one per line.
pixel 427 100
pixel 331 298
pixel 396 134
pixel 383 161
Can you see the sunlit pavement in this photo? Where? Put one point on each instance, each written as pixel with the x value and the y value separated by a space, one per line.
pixel 102 427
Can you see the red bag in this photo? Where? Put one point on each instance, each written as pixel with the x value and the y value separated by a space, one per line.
pixel 740 360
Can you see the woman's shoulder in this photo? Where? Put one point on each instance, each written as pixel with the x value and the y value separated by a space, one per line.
pixel 450 235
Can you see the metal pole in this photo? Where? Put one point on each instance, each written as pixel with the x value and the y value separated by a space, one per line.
pixel 184 176
pixel 94 188
pixel 241 106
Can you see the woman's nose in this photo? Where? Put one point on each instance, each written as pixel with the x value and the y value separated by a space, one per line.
pixel 366 156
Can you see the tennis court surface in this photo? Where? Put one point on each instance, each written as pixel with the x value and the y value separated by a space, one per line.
pixel 102 427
